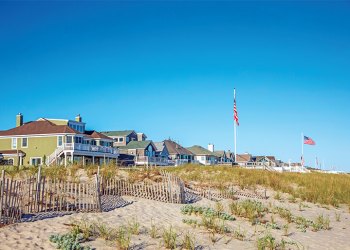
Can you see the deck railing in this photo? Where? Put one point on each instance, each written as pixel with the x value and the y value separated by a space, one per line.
pixel 146 160
pixel 89 148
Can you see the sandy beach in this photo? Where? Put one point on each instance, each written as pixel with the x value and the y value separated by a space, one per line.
pixel 35 235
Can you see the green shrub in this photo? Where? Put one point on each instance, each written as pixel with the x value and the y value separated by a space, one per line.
pixel 68 241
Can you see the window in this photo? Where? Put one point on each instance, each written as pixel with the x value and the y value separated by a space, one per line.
pixel 127 139
pixel 59 141
pixel 69 139
pixel 35 161
pixel 121 139
pixel 203 158
pixel 78 139
pixel 24 142
pixel 14 143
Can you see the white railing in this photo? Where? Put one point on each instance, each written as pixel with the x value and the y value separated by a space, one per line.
pixel 146 160
pixel 89 148
pixel 178 162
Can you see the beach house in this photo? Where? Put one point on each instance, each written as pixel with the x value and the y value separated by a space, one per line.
pixel 123 137
pixel 144 153
pixel 54 142
pixel 203 155
pixel 178 155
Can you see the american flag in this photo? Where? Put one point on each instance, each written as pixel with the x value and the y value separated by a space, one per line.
pixel 235 113
pixel 309 141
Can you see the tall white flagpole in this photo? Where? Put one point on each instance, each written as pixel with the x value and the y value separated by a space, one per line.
pixel 302 151
pixel 234 124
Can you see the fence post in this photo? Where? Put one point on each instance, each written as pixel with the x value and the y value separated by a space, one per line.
pixel 2 191
pixel 37 195
pixel 98 194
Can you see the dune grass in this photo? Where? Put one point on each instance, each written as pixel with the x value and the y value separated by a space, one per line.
pixel 330 189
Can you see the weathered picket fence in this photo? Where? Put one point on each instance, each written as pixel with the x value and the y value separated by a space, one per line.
pixel 40 194
pixel 228 193
pixel 43 195
pixel 10 200
pixel 171 189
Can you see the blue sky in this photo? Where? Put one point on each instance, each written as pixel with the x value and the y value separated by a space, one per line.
pixel 169 69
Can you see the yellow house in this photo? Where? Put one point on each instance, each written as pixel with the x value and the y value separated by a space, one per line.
pixel 54 141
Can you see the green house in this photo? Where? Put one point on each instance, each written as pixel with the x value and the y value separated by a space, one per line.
pixel 54 142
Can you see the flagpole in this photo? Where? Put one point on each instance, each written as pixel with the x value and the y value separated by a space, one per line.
pixel 302 151
pixel 234 127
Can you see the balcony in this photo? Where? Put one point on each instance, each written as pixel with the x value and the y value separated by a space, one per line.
pixel 88 148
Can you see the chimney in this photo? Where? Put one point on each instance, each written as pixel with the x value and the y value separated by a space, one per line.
pixel 211 147
pixel 140 136
pixel 78 118
pixel 19 120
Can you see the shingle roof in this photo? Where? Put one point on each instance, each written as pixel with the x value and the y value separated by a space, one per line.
pixel 159 145
pixel 118 133
pixel 259 158
pixel 11 152
pixel 136 144
pixel 219 153
pixel 176 149
pixel 96 135
pixel 199 150
pixel 39 127
pixel 243 158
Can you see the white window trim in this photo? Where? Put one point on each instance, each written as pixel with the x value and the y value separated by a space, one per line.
pixel 27 142
pixel 30 160
pixel 58 145
pixel 12 147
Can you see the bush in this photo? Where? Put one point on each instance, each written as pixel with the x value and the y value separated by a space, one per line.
pixel 68 241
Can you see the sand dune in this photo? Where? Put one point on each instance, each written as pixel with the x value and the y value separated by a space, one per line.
pixel 35 235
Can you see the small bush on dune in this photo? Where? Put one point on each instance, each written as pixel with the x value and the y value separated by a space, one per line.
pixel 169 238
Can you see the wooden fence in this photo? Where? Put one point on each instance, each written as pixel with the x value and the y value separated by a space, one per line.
pixel 40 194
pixel 171 189
pixel 10 200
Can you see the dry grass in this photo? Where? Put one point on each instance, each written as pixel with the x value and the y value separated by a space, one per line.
pixel 330 189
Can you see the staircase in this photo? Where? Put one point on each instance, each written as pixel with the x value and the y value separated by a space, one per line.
pixel 269 168
pixel 55 155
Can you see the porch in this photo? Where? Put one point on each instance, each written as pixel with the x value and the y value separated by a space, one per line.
pixel 146 160
pixel 66 153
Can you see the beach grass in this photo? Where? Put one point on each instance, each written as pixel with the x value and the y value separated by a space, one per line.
pixel 315 187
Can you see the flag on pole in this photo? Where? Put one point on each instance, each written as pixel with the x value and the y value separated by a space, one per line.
pixel 235 113
pixel 309 141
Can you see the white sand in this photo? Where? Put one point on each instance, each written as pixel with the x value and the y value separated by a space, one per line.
pixel 35 235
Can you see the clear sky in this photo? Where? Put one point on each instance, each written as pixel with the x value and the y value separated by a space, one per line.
pixel 169 69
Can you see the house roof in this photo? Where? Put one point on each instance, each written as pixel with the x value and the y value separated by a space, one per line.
pixel 137 145
pixel 259 158
pixel 11 152
pixel 199 150
pixel 159 145
pixel 118 133
pixel 97 135
pixel 176 149
pixel 219 153
pixel 243 157
pixel 39 127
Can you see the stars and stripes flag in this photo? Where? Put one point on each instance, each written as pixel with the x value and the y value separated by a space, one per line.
pixel 235 113
pixel 309 141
